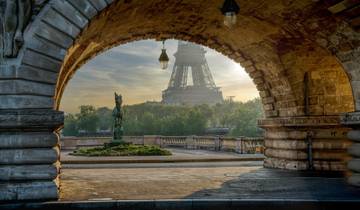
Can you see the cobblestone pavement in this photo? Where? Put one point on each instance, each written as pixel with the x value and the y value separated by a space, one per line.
pixel 250 182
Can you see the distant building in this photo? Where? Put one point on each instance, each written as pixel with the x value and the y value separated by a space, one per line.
pixel 190 59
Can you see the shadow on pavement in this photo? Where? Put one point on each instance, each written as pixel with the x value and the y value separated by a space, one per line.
pixel 281 184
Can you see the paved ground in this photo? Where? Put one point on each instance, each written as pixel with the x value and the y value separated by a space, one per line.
pixel 179 155
pixel 248 180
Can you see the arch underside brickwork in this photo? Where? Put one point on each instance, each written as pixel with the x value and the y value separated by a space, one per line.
pixel 277 42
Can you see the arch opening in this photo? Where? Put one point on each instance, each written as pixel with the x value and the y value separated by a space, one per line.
pixel 142 51
pixel 275 57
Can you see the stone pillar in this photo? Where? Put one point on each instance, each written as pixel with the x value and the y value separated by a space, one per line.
pixel 352 120
pixel 305 143
pixel 150 140
pixel 190 142
pixel 29 154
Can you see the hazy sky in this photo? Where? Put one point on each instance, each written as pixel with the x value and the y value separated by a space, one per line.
pixel 133 70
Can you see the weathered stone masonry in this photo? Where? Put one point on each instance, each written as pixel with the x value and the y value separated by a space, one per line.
pixel 277 42
pixel 29 143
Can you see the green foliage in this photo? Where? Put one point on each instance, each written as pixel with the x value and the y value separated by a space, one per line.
pixel 158 119
pixel 244 120
pixel 123 150
pixel 87 119
pixel 70 128
pixel 105 118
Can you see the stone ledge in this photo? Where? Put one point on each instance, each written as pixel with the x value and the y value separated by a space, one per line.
pixel 192 204
pixel 311 121
pixel 297 134
pixel 292 155
pixel 354 135
pixel 351 119
pixel 13 140
pixel 354 150
pixel 17 102
pixel 285 164
pixel 25 87
pixel 43 190
pixel 29 156
pixel 354 165
pixel 28 73
pixel 355 179
pixel 42 119
pixel 29 172
pixel 302 144
pixel 302 155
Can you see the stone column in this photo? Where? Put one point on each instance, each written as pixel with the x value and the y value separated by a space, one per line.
pixel 352 120
pixel 305 143
pixel 29 154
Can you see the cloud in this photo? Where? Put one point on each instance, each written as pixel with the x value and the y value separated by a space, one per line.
pixel 133 70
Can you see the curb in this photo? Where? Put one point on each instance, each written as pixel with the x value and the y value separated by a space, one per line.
pixel 193 204
pixel 161 161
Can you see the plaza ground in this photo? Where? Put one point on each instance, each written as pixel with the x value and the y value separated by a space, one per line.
pixel 154 177
pixel 158 182
pixel 198 180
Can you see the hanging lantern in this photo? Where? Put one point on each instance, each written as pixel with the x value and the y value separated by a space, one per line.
pixel 164 58
pixel 230 9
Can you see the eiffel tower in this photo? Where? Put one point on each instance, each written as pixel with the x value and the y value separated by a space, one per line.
pixel 191 63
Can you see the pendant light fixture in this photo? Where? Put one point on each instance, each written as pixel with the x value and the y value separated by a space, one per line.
pixel 230 9
pixel 164 58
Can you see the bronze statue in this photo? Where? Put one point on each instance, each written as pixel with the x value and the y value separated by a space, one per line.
pixel 118 118
pixel 16 15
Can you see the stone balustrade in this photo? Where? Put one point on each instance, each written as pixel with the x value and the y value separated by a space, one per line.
pixel 241 145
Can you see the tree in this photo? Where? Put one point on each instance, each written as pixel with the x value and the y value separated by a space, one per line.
pixel 173 125
pixel 105 118
pixel 70 125
pixel 195 123
pixel 245 119
pixel 148 124
pixel 88 119
pixel 160 119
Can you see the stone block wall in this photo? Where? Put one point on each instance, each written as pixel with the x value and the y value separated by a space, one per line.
pixel 306 143
pixel 29 154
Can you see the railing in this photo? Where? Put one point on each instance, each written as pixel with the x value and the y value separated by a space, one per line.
pixel 243 145
pixel 250 145
pixel 174 141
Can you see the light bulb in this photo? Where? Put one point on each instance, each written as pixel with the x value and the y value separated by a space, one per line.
pixel 230 19
pixel 164 64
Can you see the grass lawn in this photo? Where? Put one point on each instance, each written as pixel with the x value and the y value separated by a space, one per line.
pixel 122 150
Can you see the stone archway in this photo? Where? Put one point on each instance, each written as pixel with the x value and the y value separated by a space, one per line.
pixel 277 43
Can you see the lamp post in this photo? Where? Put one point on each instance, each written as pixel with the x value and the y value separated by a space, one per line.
pixel 230 9
pixel 164 58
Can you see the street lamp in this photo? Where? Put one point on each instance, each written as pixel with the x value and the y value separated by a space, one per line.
pixel 230 9
pixel 164 58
